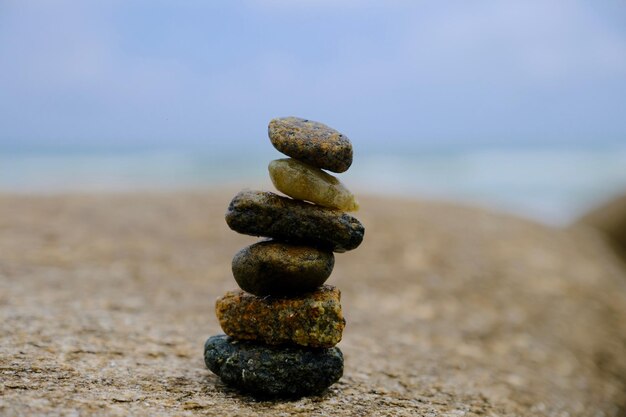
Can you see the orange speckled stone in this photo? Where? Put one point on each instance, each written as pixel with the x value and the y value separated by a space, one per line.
pixel 314 319
pixel 311 142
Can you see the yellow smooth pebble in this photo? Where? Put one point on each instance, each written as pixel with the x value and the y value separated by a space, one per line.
pixel 304 182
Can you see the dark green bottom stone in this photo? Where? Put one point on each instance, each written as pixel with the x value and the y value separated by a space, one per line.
pixel 266 371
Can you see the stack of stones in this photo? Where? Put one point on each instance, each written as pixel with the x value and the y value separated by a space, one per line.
pixel 281 330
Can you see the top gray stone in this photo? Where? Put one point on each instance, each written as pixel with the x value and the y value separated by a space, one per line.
pixel 311 142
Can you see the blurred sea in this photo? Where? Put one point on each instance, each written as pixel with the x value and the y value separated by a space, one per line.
pixel 552 184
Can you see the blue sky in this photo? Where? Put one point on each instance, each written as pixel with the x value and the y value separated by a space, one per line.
pixel 195 73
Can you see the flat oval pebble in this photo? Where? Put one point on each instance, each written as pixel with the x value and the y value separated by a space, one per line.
pixel 314 319
pixel 259 213
pixel 305 182
pixel 266 371
pixel 274 268
pixel 311 142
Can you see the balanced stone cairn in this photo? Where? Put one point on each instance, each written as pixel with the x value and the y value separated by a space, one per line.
pixel 281 330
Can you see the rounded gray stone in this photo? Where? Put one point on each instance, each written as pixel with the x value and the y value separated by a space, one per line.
pixel 311 142
pixel 260 213
pixel 265 371
pixel 275 268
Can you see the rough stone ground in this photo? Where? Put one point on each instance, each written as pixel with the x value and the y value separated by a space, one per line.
pixel 610 219
pixel 106 301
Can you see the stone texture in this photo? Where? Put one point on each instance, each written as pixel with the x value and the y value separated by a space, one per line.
pixel 275 268
pixel 266 371
pixel 305 182
pixel 103 312
pixel 259 213
pixel 311 142
pixel 313 319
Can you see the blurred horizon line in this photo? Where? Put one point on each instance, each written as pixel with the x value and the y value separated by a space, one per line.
pixel 547 182
pixel 399 146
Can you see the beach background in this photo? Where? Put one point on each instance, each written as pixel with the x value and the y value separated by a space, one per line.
pixel 519 106
pixel 553 184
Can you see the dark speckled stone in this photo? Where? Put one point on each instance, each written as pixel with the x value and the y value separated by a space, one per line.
pixel 266 371
pixel 311 142
pixel 274 268
pixel 260 213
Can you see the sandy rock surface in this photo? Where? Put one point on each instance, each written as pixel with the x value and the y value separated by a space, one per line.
pixel 610 220
pixel 106 301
